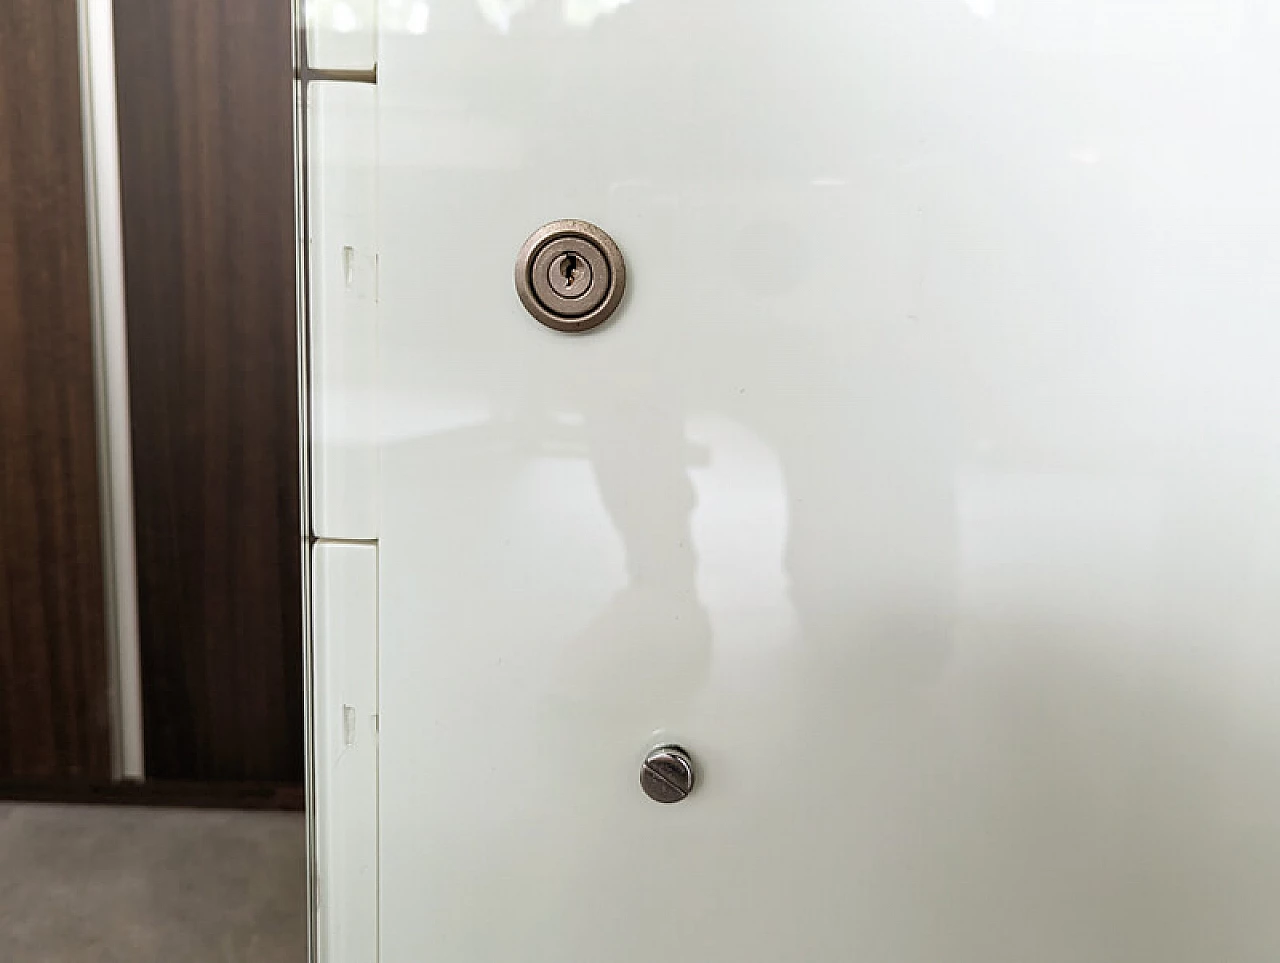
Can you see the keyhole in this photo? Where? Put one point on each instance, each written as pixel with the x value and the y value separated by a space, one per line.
pixel 569 274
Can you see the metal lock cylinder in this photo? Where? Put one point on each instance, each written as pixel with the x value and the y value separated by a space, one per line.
pixel 570 275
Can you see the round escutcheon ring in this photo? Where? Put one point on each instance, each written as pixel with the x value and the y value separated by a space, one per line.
pixel 596 248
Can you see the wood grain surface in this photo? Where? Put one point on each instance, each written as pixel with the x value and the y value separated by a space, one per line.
pixel 205 110
pixel 54 710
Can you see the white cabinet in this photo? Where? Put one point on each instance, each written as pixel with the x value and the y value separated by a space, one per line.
pixel 925 487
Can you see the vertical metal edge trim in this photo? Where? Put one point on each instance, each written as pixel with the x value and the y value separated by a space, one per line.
pixel 302 299
pixel 111 381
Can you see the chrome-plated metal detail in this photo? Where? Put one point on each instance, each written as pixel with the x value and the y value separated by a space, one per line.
pixel 339 75
pixel 667 775
pixel 569 297
pixel 103 209
pixel 570 275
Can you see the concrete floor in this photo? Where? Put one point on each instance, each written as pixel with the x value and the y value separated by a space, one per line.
pixel 101 883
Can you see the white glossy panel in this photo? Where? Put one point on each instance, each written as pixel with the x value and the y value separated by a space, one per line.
pixel 342 175
pixel 345 712
pixel 925 487
pixel 342 34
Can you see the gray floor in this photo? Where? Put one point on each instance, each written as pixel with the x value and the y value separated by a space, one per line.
pixel 101 883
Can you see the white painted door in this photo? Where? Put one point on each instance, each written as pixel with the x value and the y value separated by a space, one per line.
pixel 926 486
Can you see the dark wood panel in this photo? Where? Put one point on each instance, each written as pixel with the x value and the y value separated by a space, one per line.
pixel 190 795
pixel 205 108
pixel 54 718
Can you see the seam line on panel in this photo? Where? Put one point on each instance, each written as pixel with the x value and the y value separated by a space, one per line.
pixel 377 753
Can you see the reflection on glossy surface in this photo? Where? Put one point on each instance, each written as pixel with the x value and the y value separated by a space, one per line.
pixel 583 13
pixel 935 451
pixel 576 13
pixel 341 33
pixel 418 17
pixel 500 12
